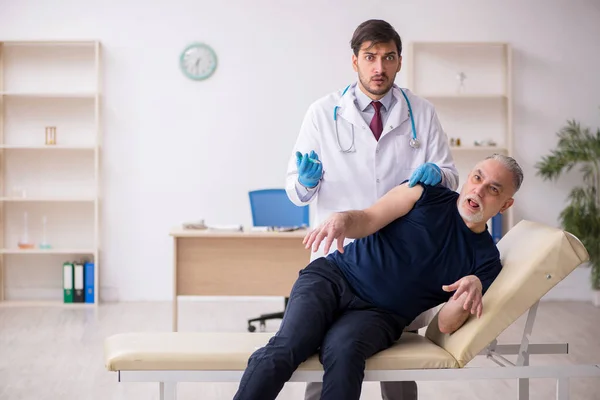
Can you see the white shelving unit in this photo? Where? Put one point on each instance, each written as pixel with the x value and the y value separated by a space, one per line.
pixel 48 84
pixel 479 110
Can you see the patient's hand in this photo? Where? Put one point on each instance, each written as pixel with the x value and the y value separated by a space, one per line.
pixel 471 285
pixel 333 228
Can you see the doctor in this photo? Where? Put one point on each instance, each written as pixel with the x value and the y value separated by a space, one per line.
pixel 358 143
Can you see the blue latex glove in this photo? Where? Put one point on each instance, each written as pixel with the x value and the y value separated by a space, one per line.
pixel 310 169
pixel 428 174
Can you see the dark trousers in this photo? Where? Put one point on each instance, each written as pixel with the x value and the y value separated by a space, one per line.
pixel 323 315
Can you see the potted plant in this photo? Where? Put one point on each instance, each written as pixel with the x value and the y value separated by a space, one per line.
pixel 579 146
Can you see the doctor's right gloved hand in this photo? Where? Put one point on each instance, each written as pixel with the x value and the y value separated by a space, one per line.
pixel 428 174
pixel 310 169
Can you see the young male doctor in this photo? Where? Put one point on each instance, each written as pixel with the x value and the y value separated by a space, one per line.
pixel 358 143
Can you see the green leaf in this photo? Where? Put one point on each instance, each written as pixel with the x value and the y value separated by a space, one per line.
pixel 579 146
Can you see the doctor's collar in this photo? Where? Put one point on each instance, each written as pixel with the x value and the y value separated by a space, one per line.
pixel 363 101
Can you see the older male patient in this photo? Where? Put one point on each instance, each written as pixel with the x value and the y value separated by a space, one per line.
pixel 415 249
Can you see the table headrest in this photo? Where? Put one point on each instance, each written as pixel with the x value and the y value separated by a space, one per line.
pixel 535 257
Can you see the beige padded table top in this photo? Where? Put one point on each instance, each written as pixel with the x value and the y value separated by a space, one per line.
pixel 145 351
pixel 535 258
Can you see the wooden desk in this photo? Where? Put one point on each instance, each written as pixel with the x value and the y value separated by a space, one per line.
pixel 218 263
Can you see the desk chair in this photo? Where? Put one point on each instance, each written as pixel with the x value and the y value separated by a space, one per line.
pixel 272 208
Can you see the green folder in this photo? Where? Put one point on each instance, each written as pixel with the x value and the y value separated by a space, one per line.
pixel 68 282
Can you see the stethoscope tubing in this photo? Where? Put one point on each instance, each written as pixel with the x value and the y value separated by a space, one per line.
pixel 414 143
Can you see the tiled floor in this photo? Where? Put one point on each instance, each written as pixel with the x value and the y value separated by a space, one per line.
pixel 56 353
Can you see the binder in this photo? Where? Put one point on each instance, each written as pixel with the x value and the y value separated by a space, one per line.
pixel 78 292
pixel 89 282
pixel 67 282
pixel 497 227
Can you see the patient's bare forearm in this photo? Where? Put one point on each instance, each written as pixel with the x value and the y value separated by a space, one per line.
pixel 358 224
pixel 452 315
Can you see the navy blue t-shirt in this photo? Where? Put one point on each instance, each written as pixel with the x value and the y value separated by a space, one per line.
pixel 402 267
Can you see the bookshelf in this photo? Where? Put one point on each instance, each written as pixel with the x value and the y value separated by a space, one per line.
pixel 46 175
pixel 469 83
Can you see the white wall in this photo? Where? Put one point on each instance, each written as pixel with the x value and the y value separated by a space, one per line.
pixel 166 157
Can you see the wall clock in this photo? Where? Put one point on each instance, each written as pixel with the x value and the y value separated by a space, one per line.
pixel 198 61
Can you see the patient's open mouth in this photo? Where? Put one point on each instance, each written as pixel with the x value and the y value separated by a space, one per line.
pixel 472 203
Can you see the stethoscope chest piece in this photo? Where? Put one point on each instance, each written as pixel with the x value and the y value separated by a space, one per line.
pixel 414 143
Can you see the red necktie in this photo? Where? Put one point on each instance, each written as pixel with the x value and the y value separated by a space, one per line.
pixel 376 125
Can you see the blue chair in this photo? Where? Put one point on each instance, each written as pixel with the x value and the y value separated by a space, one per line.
pixel 273 208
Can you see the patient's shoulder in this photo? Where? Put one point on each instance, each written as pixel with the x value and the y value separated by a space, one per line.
pixel 436 195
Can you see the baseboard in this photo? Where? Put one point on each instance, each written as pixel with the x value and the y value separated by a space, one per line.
pixel 20 294
pixel 232 299
pixel 107 294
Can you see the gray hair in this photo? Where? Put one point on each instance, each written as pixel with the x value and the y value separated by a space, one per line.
pixel 512 165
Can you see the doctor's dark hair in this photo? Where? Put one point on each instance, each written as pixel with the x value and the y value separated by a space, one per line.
pixel 375 31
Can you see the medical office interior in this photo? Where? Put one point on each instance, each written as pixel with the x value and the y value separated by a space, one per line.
pixel 113 153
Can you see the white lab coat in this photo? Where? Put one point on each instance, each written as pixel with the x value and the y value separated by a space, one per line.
pixel 354 181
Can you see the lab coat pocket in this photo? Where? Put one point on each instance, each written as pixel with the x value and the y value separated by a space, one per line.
pixel 407 158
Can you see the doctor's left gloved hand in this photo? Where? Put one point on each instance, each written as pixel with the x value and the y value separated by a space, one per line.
pixel 428 174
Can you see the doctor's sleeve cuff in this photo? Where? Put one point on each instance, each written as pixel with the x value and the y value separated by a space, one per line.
pixel 449 178
pixel 305 194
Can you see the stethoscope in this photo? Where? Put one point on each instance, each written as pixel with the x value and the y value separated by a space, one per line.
pixel 413 142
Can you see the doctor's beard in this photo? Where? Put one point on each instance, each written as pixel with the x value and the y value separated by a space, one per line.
pixel 468 216
pixel 366 83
